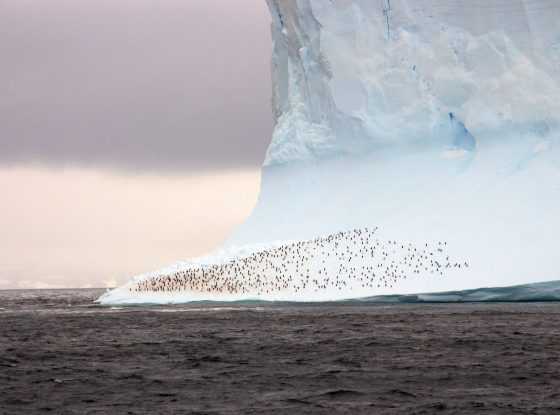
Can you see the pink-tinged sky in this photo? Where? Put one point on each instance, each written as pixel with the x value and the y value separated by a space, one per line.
pixel 131 133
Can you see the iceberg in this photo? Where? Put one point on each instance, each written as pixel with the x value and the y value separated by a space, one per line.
pixel 430 121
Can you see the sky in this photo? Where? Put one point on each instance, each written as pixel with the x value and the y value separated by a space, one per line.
pixel 131 133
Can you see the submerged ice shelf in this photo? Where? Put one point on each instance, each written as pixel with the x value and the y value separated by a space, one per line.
pixel 541 291
pixel 434 120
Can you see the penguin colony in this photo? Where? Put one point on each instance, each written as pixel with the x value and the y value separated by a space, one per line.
pixel 354 258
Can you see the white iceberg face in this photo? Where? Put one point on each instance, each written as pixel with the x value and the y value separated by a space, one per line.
pixel 354 77
pixel 429 120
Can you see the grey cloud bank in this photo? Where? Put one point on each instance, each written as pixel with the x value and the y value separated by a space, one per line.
pixel 179 85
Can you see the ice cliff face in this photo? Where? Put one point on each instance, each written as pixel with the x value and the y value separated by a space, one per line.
pixel 430 119
pixel 352 77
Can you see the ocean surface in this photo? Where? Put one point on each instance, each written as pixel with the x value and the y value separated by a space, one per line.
pixel 62 353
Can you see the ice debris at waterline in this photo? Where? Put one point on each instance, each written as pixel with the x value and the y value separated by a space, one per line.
pixel 336 266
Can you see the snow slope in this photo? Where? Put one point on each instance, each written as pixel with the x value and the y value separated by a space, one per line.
pixel 431 120
pixel 331 267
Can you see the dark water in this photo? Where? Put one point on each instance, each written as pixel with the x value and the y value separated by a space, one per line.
pixel 62 354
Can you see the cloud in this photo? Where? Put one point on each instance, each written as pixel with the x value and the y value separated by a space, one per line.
pixel 172 85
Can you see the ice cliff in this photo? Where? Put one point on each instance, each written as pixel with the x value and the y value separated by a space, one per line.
pixel 361 76
pixel 429 120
